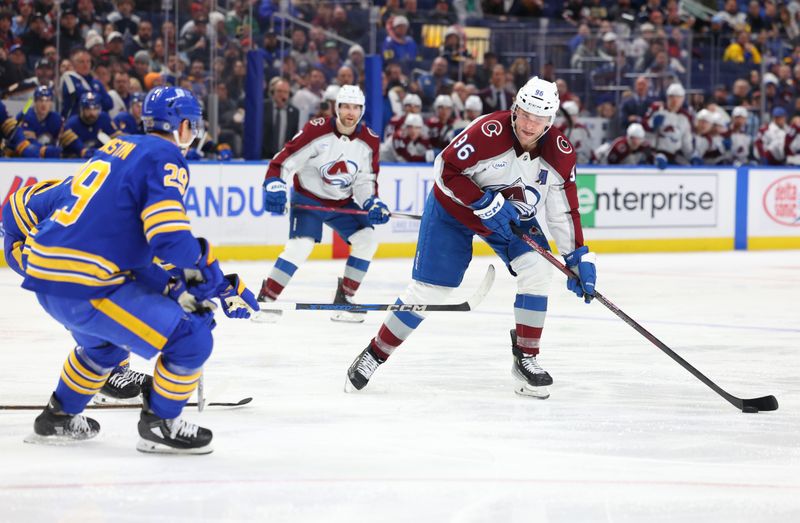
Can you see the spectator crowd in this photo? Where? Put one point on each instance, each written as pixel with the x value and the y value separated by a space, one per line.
pixel 635 77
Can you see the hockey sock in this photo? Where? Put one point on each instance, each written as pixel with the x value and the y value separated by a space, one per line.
pixel 81 378
pixel 529 313
pixel 122 366
pixel 395 329
pixel 354 271
pixel 172 388
pixel 279 278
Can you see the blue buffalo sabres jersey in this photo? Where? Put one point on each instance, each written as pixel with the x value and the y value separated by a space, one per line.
pixel 42 132
pixel 23 211
pixel 126 123
pixel 124 207
pixel 80 136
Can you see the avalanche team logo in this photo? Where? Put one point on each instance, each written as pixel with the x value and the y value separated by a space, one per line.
pixel 492 128
pixel 563 145
pixel 523 197
pixel 339 173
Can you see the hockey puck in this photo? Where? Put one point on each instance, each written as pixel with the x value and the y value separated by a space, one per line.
pixel 749 409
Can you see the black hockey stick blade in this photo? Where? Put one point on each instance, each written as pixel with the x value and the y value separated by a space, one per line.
pixel 473 301
pixel 106 406
pixel 765 403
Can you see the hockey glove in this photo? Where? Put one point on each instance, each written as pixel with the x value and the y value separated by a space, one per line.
pixel 378 211
pixel 177 290
pixel 274 195
pixel 581 261
pixel 658 121
pixel 210 277
pixel 661 161
pixel 496 213
pixel 237 300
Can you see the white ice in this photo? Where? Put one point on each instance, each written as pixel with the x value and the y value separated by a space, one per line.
pixel 438 435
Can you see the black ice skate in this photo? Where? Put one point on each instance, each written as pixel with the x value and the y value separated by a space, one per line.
pixel 361 370
pixel 123 388
pixel 343 299
pixel 55 427
pixel 532 380
pixel 265 315
pixel 170 436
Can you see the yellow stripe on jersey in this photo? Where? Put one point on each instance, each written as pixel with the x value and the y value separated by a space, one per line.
pixel 16 252
pixel 20 211
pixel 106 265
pixel 164 205
pixel 130 322
pixel 67 277
pixel 167 228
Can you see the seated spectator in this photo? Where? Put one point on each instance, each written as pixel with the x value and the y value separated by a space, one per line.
pixel 399 47
pixel 435 82
pixel 120 94
pixel 70 35
pixel 330 61
pixel 731 16
pixel 15 70
pixel 345 76
pixel 497 97
pixel 308 98
pixel 81 80
pixel 142 40
pixel 356 61
pixel 742 51
pixel 453 51
pixel 123 19
pixel 634 107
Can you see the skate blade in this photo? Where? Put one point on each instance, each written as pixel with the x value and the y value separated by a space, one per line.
pixel 348 317
pixel 54 441
pixel 151 447
pixel 348 386
pixel 102 399
pixel 266 316
pixel 523 389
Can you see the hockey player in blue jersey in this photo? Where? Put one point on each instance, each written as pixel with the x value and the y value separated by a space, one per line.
pixel 12 136
pixel 89 129
pixel 124 209
pixel 40 125
pixel 130 121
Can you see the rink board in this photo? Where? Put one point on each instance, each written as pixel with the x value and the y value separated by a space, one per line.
pixel 623 209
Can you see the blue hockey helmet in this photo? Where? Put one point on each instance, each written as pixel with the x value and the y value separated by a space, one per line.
pixel 89 100
pixel 166 107
pixel 42 92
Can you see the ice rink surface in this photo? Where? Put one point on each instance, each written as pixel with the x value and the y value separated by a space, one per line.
pixel 438 435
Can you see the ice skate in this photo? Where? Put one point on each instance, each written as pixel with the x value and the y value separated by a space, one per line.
pixel 265 315
pixel 361 370
pixel 123 388
pixel 55 427
pixel 346 316
pixel 170 436
pixel 532 380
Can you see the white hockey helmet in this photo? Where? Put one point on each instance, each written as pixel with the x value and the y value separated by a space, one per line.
pixel 705 115
pixel 676 89
pixel 442 101
pixel 538 97
pixel 571 108
pixel 330 94
pixel 473 103
pixel 740 112
pixel 412 99
pixel 413 120
pixel 635 130
pixel 721 117
pixel 350 94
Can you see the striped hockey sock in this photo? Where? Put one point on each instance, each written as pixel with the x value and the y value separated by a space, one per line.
pixel 354 271
pixel 278 279
pixel 172 388
pixel 80 380
pixel 395 329
pixel 529 313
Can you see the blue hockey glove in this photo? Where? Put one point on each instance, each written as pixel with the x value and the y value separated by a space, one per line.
pixel 193 154
pixel 50 151
pixel 378 211
pixel 661 161
pixel 496 213
pixel 224 153
pixel 206 284
pixel 274 195
pixel 696 160
pixel 237 300
pixel 581 261
pixel 658 121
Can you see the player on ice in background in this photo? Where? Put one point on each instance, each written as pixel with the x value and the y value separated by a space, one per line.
pixel 671 126
pixel 630 149
pixel 124 208
pixel 334 163
pixel 41 125
pixel 507 167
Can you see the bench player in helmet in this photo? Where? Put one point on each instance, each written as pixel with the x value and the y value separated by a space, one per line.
pixel 334 163
pixel 123 209
pixel 506 167
pixel 41 125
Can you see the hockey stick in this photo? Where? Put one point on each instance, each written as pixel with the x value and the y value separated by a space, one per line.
pixel 242 402
pixel 745 405
pixel 343 210
pixel 473 301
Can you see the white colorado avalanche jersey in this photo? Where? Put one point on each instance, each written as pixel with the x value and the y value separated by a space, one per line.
pixel 487 156
pixel 328 166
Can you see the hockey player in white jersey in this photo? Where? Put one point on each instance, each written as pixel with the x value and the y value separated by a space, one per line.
pixel 770 144
pixel 741 142
pixel 506 167
pixel 631 149
pixel 709 145
pixel 576 132
pixel 334 163
pixel 671 128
